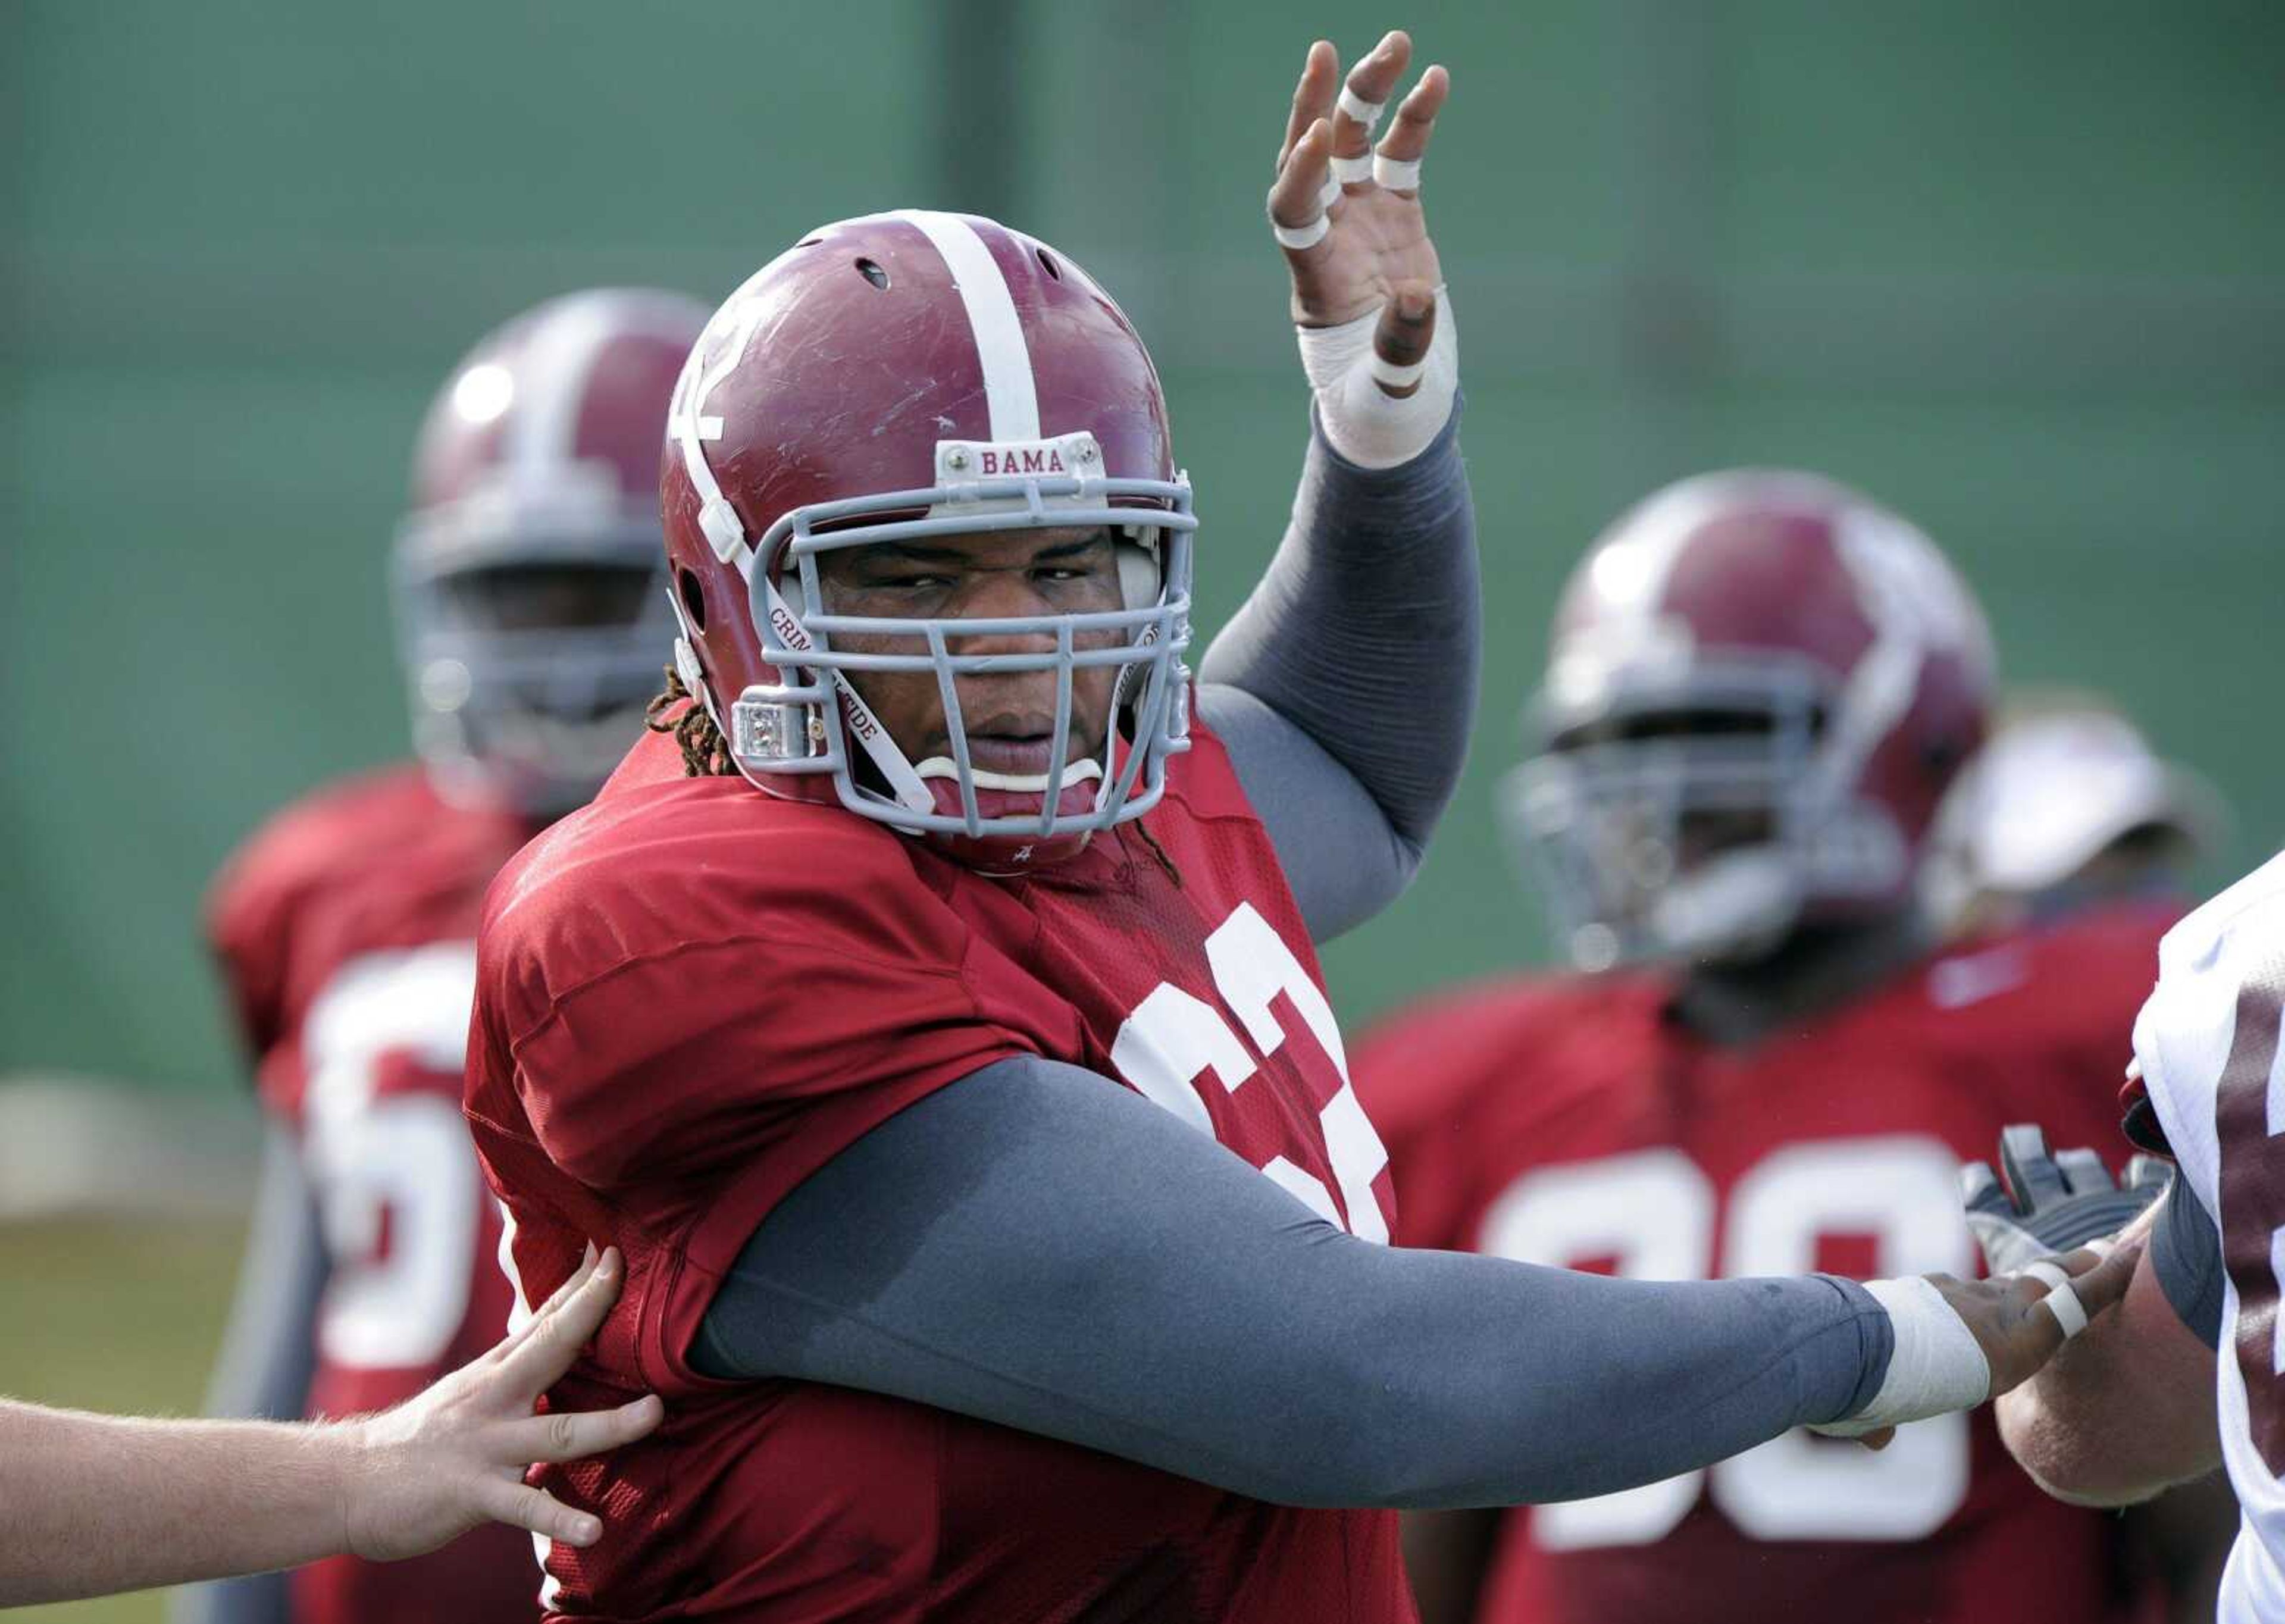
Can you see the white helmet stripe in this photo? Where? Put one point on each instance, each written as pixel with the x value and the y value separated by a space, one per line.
pixel 559 361
pixel 1007 359
pixel 544 419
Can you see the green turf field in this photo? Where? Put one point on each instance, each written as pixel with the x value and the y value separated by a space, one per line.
pixel 111 1315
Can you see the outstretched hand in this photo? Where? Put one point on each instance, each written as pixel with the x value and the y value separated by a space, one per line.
pixel 440 1464
pixel 1347 214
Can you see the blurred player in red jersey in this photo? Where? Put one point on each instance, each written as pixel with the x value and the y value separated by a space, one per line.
pixel 1760 688
pixel 822 1009
pixel 532 610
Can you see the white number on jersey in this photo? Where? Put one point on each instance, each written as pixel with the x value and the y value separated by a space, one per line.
pixel 1173 1038
pixel 1654 1211
pixel 393 1165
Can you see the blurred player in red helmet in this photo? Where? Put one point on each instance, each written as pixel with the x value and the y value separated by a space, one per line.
pixel 1761 687
pixel 934 1019
pixel 532 617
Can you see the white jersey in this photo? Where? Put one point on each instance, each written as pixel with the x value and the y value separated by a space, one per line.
pixel 2208 1044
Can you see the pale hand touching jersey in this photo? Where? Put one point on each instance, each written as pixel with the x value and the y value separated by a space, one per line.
pixel 346 929
pixel 2207 1042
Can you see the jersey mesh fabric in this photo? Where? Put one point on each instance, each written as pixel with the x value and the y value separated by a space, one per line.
pixel 368 875
pixel 1527 1087
pixel 690 996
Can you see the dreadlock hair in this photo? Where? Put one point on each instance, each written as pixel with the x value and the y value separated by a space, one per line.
pixel 705 752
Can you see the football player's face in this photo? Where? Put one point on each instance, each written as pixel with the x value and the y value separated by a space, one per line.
pixel 1010 717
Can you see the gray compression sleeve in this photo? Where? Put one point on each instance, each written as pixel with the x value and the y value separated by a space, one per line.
pixel 2186 1250
pixel 1038 1246
pixel 1363 636
pixel 267 1352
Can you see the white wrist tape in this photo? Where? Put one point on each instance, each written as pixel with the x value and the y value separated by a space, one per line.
pixel 1365 113
pixel 1936 1367
pixel 1396 174
pixel 1363 422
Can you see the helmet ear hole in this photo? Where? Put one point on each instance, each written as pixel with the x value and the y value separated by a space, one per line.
pixel 693 599
pixel 1139 582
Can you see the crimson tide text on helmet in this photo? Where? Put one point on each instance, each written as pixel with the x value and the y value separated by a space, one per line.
pixel 1760 685
pixel 531 602
pixel 907 375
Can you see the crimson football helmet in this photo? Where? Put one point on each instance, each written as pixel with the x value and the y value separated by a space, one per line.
pixel 531 603
pixel 907 375
pixel 1759 687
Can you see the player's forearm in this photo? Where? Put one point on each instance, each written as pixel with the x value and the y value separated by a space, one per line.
pixel 2126 1408
pixel 1365 633
pixel 95 1503
pixel 1038 1247
pixel 2092 1429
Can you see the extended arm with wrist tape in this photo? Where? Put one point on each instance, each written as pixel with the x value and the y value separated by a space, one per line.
pixel 1037 1246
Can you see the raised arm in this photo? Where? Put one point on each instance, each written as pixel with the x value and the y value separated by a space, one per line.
pixel 1037 1246
pixel 1345 685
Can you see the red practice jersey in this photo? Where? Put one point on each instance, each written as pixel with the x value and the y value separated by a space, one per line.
pixel 691 995
pixel 346 928
pixel 1572 1122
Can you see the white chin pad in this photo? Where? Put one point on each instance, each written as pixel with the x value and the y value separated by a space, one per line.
pixel 1021 783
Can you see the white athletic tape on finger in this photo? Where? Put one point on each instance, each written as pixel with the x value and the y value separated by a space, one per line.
pixel 1354 171
pixel 1387 371
pixel 1396 174
pixel 1365 113
pixel 1364 422
pixel 2046 1273
pixel 1935 1367
pixel 1300 237
pixel 2070 1313
pixel 2101 1248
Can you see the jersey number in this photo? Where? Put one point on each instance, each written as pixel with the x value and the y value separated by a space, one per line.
pixel 396 1179
pixel 1172 1037
pixel 2252 1147
pixel 1653 1211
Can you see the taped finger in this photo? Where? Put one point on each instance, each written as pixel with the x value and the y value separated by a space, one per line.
pixel 2063 1303
pixel 1396 174
pixel 1300 237
pixel 2049 1275
pixel 1365 113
